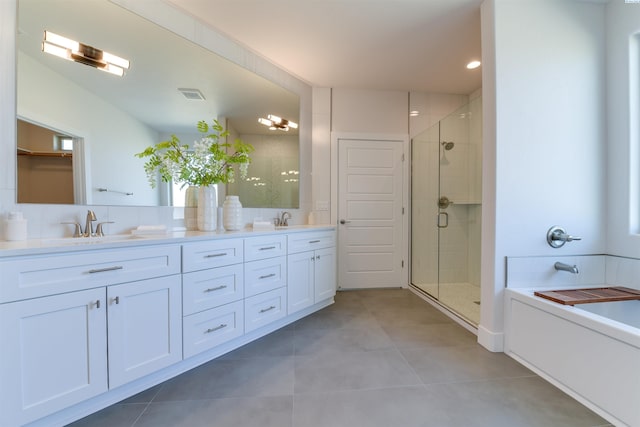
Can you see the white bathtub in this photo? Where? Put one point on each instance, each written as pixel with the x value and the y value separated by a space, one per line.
pixel 591 351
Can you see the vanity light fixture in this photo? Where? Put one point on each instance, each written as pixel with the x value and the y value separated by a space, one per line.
pixel 277 123
pixel 84 54
pixel 473 65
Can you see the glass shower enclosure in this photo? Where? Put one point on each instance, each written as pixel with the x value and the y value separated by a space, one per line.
pixel 446 201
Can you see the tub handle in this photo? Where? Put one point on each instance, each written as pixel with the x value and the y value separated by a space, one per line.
pixel 557 237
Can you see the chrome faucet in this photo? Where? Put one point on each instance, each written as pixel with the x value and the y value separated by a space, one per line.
pixel 283 221
pixel 88 227
pixel 561 266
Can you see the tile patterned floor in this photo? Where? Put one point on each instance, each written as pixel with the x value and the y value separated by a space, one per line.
pixel 374 358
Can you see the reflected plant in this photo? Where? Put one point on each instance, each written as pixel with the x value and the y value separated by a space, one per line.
pixel 210 160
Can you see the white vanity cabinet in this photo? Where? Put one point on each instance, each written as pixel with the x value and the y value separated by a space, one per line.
pixel 55 311
pixel 311 269
pixel 265 275
pixel 53 354
pixel 212 297
pixel 144 321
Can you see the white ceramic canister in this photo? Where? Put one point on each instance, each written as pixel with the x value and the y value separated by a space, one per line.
pixel 15 227
pixel 232 213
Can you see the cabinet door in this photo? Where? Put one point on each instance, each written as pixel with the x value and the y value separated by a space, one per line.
pixel 300 279
pixel 325 274
pixel 53 354
pixel 145 327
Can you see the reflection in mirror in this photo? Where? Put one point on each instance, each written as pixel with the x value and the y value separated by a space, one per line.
pixel 111 118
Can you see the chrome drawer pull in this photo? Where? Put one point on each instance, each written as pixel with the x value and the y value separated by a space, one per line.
pixel 217 288
pixel 102 270
pixel 96 304
pixel 267 248
pixel 264 310
pixel 217 328
pixel 215 255
pixel 314 241
pixel 266 276
pixel 116 300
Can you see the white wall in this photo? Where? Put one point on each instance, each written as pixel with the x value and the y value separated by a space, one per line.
pixel 544 97
pixel 623 151
pixel 369 111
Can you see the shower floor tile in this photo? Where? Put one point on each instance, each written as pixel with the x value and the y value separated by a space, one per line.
pixel 461 297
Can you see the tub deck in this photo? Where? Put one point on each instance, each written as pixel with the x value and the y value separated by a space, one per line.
pixel 590 295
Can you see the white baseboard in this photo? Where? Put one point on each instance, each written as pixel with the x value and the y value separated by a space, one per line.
pixel 492 341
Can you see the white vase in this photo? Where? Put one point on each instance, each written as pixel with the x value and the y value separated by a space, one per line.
pixel 232 216
pixel 191 208
pixel 207 208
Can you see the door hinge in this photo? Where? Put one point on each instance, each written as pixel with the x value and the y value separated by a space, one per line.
pixel 403 157
pixel 403 210
pixel 402 263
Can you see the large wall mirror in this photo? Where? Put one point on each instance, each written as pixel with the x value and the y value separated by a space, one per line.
pixel 79 127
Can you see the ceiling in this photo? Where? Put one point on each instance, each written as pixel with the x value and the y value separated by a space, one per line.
pixel 420 45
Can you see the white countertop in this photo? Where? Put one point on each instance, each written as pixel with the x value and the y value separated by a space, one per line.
pixel 67 244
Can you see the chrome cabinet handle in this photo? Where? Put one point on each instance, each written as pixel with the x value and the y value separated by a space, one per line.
pixel 95 304
pixel 217 288
pixel 217 328
pixel 314 241
pixel 115 300
pixel 267 248
pixel 317 256
pixel 102 270
pixel 266 276
pixel 215 255
pixel 344 221
pixel 264 310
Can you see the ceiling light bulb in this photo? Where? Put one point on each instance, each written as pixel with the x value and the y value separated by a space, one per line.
pixel 473 64
pixel 414 113
pixel 293 125
pixel 265 122
pixel 274 119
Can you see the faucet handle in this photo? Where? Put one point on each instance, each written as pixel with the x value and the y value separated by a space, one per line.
pixel 99 228
pixel 78 229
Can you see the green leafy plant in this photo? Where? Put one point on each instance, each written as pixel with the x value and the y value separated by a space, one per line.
pixel 209 161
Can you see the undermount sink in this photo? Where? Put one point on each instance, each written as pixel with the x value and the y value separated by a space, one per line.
pixel 89 240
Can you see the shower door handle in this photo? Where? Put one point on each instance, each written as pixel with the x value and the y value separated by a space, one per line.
pixel 445 216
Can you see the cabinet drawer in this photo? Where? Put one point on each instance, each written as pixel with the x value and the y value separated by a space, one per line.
pixel 207 329
pixel 264 275
pixel 301 242
pixel 265 247
pixel 35 276
pixel 210 254
pixel 262 309
pixel 205 289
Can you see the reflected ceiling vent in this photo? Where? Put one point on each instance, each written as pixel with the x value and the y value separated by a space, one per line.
pixel 192 94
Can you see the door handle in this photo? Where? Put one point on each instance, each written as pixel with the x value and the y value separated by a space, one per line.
pixel 342 221
pixel 444 215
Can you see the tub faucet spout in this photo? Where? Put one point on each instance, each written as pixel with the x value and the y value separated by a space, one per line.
pixel 561 266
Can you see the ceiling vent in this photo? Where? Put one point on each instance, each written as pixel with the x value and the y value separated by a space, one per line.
pixel 192 94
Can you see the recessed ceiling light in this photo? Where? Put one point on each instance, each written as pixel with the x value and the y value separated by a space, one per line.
pixel 473 64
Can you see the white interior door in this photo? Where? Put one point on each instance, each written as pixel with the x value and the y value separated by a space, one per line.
pixel 370 213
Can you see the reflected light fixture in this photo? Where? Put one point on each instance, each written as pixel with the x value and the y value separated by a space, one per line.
pixel 277 123
pixel 473 65
pixel 82 53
